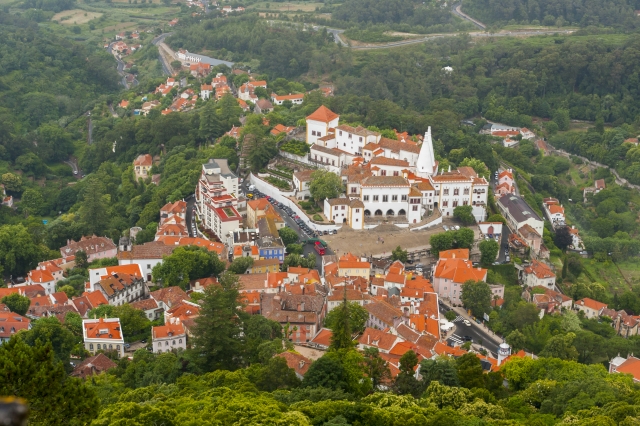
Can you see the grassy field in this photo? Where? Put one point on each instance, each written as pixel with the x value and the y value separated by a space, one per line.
pixel 75 17
pixel 284 7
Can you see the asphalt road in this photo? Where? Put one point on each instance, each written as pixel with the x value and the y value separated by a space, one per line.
pixel 166 68
pixel 456 10
pixel 190 218
pixel 307 248
pixel 475 331
pixel 73 163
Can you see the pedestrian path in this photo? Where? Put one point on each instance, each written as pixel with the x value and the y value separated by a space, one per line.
pixel 456 339
pixel 459 318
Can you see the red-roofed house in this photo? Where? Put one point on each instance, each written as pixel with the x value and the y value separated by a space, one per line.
pixel 44 278
pixel 591 308
pixel 93 365
pixel 538 274
pixel 322 340
pixel 450 273
pixel 11 323
pixel 319 123
pixel 103 334
pixel 630 365
pixel 297 362
pixel 169 337
pixel 142 166
pixel 372 338
pixel 94 247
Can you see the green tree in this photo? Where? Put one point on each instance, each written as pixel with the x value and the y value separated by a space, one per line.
pixel 442 369
pixel 562 119
pixel 48 330
pixel 563 238
pixel 186 264
pixel 464 214
pixel 470 371
pixel 441 242
pixel 516 340
pixel 18 251
pixel 12 182
pixel 17 303
pixel 240 265
pixel 33 373
pixel 561 346
pixel 497 217
pixel 450 315
pixel 477 165
pixel 93 209
pixel 342 334
pixel 275 374
pixel 32 201
pixel 358 317
pixel 375 367
pixel 81 260
pixel 210 125
pixel 488 251
pixel 477 296
pixel 399 254
pixel 406 382
pixel 324 184
pixel 218 337
pixel 288 235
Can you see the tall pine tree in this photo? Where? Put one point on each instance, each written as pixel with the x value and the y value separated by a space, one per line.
pixel 210 125
pixel 341 337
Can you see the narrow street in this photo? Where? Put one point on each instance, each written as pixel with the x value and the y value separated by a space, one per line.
pixel 478 333
pixel 159 42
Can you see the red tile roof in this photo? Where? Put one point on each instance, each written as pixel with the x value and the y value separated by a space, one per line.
pixel 296 361
pixel 459 270
pixel 102 329
pixel 592 304
pixel 323 114
pixel 167 330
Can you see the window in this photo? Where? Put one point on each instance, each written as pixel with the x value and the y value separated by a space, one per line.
pixel 396 173
pixel 383 172
pixel 375 198
pixel 340 132
pixel 414 208
pixel 445 191
pixel 313 133
pixel 365 197
pixel 445 203
pixel 357 210
pixel 385 198
pixel 455 204
pixel 404 198
pixel 319 133
pixel 466 191
pixel 333 162
pixel 342 208
pixel 465 202
pixel 110 346
pixel 118 348
pixel 173 343
pixel 166 343
pixel 179 340
pixel 456 191
pixel 360 139
pixel 91 346
pixel 394 198
pixel 98 346
pixel 354 190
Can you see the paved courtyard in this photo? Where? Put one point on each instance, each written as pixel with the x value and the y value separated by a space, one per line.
pixel 381 241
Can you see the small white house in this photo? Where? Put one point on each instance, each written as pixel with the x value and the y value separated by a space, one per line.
pixel 169 336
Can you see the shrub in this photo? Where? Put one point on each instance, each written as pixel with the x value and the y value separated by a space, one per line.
pixel 317 218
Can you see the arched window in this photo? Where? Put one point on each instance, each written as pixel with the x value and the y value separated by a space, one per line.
pixel 118 348
pixel 179 340
pixel 91 346
pixel 174 342
pixel 98 346
pixel 166 343
pixel 110 346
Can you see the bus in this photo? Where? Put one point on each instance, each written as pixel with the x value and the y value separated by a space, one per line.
pixel 318 248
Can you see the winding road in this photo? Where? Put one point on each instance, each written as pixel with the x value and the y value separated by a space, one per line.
pixel 456 10
pixel 158 41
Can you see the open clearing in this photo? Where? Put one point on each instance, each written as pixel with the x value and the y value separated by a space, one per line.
pixel 118 27
pixel 75 17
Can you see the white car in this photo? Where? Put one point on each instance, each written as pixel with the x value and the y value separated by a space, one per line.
pixel 467 323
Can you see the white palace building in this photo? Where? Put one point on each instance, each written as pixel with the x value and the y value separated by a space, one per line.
pixel 386 177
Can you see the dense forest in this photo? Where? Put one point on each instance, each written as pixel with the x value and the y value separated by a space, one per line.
pixel 613 13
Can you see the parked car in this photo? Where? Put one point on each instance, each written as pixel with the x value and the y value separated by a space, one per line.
pixel 445 227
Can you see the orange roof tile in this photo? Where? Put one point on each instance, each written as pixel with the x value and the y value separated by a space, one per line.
pixel 590 303
pixel 323 114
pixel 454 253
pixel 168 330
pixel 459 270
pixel 102 329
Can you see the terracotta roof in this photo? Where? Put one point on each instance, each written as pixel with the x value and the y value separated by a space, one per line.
pixel 145 305
pixel 383 311
pixel 395 145
pixel 323 114
pixel 96 298
pixel 143 160
pixel 259 204
pixel 459 270
pixel 425 185
pixel 378 339
pixel 373 181
pixel 101 329
pixel 32 290
pixel 89 245
pixel 505 173
pixel 323 338
pixel 289 97
pixel 296 361
pixel 40 276
pixel 167 330
pixel 600 184
pixel 384 161
pixel 170 295
pixel 592 304
pixel 93 365
pixel 11 323
pixel 454 254
pixel 630 366
pixel 7 291
pixel 540 270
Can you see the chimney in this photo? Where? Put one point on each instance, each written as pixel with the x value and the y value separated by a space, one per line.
pixel 301 364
